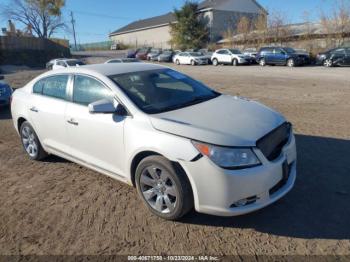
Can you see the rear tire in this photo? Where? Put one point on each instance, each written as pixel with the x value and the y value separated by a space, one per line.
pixel 290 62
pixel 177 62
pixel 31 142
pixel 328 63
pixel 164 187
pixel 215 62
pixel 235 62
pixel 193 63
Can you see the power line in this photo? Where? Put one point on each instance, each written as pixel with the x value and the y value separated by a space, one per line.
pixel 103 15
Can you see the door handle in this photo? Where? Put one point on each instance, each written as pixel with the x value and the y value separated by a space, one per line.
pixel 34 109
pixel 72 122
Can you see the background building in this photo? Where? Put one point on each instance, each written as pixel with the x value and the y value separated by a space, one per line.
pixel 219 15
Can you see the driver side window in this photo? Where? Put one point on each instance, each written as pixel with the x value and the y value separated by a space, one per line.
pixel 87 90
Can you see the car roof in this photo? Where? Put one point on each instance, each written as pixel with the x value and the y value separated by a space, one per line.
pixel 111 69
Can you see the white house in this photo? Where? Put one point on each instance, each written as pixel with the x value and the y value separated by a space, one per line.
pixel 219 15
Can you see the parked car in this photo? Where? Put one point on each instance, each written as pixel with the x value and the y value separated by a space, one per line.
pixel 251 52
pixel 153 54
pixel 190 58
pixel 206 53
pixel 132 53
pixel 230 56
pixel 334 57
pixel 50 64
pixel 63 63
pixel 5 92
pixel 180 143
pixel 142 53
pixel 281 56
pixel 166 56
pixel 122 60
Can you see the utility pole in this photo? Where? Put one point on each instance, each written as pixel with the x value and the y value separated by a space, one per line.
pixel 73 26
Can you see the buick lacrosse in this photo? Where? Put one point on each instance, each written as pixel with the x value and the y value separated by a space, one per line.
pixel 180 143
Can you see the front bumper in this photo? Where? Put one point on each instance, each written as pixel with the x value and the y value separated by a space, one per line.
pixel 216 190
pixel 201 62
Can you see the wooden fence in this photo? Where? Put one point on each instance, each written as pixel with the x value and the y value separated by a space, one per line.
pixel 31 43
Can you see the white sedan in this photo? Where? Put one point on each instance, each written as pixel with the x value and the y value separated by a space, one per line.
pixel 143 124
pixel 190 58
pixel 63 63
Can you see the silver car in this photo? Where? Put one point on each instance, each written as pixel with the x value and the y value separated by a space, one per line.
pixel 179 142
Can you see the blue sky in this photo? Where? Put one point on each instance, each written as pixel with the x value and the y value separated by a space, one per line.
pixel 96 18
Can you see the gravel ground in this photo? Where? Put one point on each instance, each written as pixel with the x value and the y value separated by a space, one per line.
pixel 58 207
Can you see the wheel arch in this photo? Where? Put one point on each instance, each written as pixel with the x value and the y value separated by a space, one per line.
pixel 142 155
pixel 20 121
pixel 136 161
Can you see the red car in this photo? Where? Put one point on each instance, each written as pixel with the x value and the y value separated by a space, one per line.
pixel 142 54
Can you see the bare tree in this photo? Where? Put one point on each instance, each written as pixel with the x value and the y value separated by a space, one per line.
pixel 337 23
pixel 260 27
pixel 307 34
pixel 244 28
pixel 278 27
pixel 229 35
pixel 42 16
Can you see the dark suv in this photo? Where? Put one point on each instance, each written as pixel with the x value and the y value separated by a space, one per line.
pixel 334 57
pixel 281 56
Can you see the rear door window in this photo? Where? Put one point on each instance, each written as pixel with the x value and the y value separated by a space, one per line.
pixel 54 86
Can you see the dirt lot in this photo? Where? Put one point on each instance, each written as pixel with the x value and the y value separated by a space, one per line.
pixel 58 207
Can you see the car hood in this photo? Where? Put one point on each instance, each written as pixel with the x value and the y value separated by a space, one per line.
pixel 225 120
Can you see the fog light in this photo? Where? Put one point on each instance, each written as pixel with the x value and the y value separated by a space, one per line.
pixel 240 203
pixel 245 201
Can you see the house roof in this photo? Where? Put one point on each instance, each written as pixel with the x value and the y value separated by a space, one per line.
pixel 210 3
pixel 168 18
pixel 147 23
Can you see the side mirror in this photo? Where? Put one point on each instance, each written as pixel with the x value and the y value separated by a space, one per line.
pixel 103 106
pixel 106 106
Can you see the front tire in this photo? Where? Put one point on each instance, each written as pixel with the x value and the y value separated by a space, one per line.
pixel 31 143
pixel 215 62
pixel 235 62
pixel 164 187
pixel 193 63
pixel 177 62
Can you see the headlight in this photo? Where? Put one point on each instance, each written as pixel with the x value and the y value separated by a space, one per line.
pixel 228 157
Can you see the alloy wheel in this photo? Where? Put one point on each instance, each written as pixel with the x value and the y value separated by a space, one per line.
pixel 158 189
pixel 215 62
pixel 290 63
pixel 29 141
pixel 328 63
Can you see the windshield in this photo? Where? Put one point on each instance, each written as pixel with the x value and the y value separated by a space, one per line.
pixel 74 62
pixel 167 53
pixel 162 90
pixel 195 54
pixel 289 50
pixel 235 51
